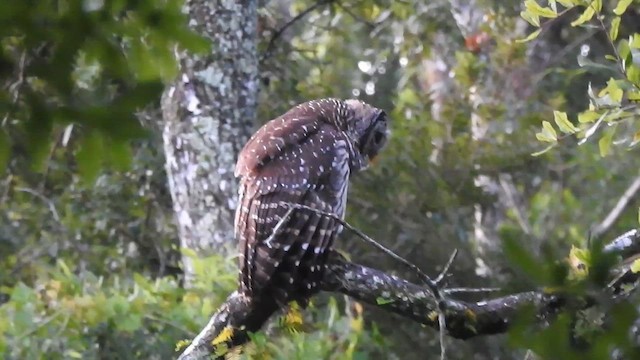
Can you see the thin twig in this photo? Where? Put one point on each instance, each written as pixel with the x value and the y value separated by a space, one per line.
pixel 617 210
pixel 470 290
pixel 289 23
pixel 49 203
pixel 432 285
pixel 17 86
pixel 277 230
pixel 442 324
pixel 445 270
pixel 619 60
pixel 425 278
pixel 357 17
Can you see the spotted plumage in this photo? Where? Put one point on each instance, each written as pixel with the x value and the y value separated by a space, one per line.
pixel 303 157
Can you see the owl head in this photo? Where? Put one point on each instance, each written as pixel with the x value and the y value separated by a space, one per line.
pixel 367 128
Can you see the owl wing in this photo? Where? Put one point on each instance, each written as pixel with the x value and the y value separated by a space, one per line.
pixel 311 169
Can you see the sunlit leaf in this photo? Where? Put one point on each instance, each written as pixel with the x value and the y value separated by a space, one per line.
pixel 588 116
pixel 634 41
pixel 548 133
pixel 633 74
pixel 568 3
pixel 633 95
pixel 538 153
pixel 604 144
pixel 530 37
pixel 563 122
pixel 530 18
pixel 585 16
pixel 622 7
pixel 613 31
pixel 534 8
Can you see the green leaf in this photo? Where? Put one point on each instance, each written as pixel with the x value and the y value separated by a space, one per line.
pixel 64 268
pixel 633 95
pixel 89 157
pixel 563 122
pixel 524 259
pixel 538 153
pixel 530 37
pixel 613 90
pixel 534 8
pixel 129 323
pixel 568 3
pixel 73 354
pixel 5 151
pixel 633 74
pixel 586 16
pixel 604 144
pixel 615 24
pixel 530 18
pixel 635 266
pixel 588 116
pixel 548 133
pixel 382 301
pixel 120 155
pixel 622 7
pixel 634 41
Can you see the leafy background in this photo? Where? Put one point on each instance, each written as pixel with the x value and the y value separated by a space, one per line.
pixel 90 265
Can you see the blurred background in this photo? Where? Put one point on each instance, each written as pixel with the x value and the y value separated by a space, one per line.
pixel 91 256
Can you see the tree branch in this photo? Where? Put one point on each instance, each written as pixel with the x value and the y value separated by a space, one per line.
pixel 617 210
pixel 464 319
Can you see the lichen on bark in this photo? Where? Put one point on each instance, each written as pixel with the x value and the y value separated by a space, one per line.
pixel 208 114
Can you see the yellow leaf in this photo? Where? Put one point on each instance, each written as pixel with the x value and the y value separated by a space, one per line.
pixel 530 37
pixel 579 260
pixel 181 344
pixel 588 116
pixel 563 122
pixel 534 8
pixel 635 266
pixel 586 16
pixel 225 335
pixel 622 7
pixel 433 315
pixel 191 298
pixel 548 133
pixel 357 324
pixel 530 18
pixel 292 320
pixel 73 354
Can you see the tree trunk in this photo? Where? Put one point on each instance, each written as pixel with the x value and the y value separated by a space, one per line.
pixel 208 115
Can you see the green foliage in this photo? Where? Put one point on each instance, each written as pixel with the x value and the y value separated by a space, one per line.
pixel 67 315
pixel 111 292
pixel 88 63
pixel 615 105
pixel 63 315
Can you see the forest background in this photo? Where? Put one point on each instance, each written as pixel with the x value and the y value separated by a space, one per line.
pixel 514 126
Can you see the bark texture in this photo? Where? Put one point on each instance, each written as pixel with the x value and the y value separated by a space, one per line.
pixel 208 116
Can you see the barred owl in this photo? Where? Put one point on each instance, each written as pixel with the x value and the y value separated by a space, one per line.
pixel 303 157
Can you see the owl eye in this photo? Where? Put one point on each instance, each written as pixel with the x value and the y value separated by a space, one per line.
pixel 375 137
pixel 378 137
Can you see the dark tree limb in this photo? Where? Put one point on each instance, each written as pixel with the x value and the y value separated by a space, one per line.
pixel 464 319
